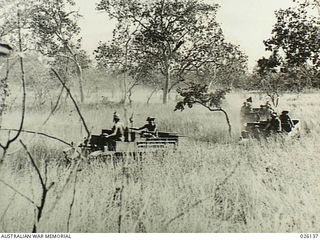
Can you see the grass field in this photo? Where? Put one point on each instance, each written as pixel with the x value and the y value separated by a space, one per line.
pixel 211 184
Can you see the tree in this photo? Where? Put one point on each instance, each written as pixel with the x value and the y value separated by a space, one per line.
pixel 294 47
pixel 271 84
pixel 55 31
pixel 5 50
pixel 180 38
pixel 11 139
pixel 312 3
pixel 226 74
pixel 200 94
pixel 119 58
pixel 50 28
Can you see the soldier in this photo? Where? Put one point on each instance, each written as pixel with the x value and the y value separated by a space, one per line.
pixel 249 107
pixel 269 108
pixel 246 112
pixel 243 110
pixel 117 131
pixel 274 124
pixel 265 111
pixel 286 121
pixel 150 128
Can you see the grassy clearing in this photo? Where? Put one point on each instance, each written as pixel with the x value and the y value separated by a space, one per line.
pixel 212 184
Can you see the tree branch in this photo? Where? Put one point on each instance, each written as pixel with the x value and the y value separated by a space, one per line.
pixel 218 110
pixel 18 192
pixel 38 133
pixel 176 83
pixel 72 201
pixel 74 102
pixel 45 188
pixel 34 165
pixel 7 208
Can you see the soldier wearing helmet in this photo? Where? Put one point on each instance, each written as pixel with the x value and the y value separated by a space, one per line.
pixel 150 129
pixel 117 131
pixel 286 121
pixel 274 124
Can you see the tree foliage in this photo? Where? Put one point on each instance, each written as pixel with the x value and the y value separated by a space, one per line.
pixel 119 59
pixel 49 27
pixel 294 47
pixel 55 31
pixel 179 39
pixel 313 3
pixel 199 93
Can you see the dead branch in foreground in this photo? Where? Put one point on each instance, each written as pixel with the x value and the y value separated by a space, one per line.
pixel 39 133
pixel 72 201
pixel 45 188
pixel 18 192
pixel 73 100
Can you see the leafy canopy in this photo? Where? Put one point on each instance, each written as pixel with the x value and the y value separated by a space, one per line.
pixel 197 93
pixel 179 39
pixel 294 42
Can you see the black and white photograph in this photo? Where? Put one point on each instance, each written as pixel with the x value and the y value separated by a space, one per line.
pixel 159 116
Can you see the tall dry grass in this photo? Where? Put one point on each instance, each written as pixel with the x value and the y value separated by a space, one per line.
pixel 211 184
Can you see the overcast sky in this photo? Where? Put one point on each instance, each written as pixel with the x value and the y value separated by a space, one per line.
pixel 244 22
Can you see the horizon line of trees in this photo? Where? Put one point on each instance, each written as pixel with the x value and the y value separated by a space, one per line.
pixel 160 44
pixel 164 45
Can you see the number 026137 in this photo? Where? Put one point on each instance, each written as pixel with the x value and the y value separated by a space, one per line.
pixel 309 235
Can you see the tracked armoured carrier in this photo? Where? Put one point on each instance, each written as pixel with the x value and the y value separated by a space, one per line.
pixel 134 143
pixel 256 130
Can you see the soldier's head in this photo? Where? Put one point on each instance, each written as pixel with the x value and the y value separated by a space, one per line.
pixel 285 112
pixel 116 118
pixel 274 115
pixel 150 119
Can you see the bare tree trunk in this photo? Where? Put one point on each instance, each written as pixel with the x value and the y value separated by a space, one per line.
pixel 80 77
pixel 213 78
pixel 124 97
pixel 129 97
pixel 72 201
pixel 228 121
pixel 74 58
pixel 120 203
pixel 150 96
pixel 166 84
pixel 3 91
pixel 79 71
pixel 219 110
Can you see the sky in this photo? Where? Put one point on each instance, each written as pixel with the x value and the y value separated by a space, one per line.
pixel 244 22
